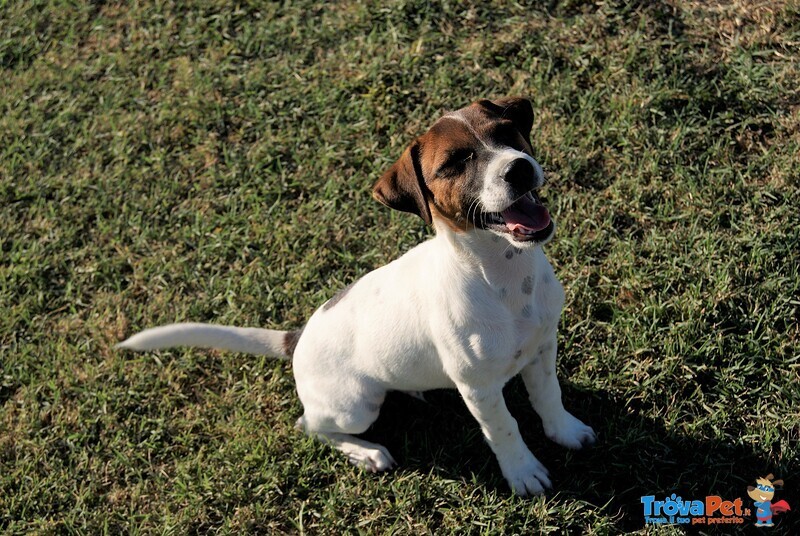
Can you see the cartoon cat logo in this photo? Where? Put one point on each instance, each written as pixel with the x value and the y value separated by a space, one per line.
pixel 762 494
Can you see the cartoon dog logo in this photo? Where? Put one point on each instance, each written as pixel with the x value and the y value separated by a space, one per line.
pixel 762 494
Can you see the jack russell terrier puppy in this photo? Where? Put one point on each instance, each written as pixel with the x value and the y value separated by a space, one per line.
pixel 470 308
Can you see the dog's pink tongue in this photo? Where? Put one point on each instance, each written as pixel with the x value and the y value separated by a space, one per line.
pixel 526 215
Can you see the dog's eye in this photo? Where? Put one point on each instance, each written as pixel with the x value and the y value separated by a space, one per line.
pixel 459 158
pixel 455 163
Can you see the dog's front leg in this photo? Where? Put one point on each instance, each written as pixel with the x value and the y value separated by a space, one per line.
pixel 545 396
pixel 521 469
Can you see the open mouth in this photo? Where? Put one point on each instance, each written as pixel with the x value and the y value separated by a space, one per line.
pixel 526 220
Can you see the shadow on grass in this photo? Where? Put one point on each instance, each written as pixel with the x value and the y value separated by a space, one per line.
pixel 634 456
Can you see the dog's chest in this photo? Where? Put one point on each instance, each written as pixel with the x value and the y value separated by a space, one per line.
pixel 516 314
pixel 526 287
pixel 534 308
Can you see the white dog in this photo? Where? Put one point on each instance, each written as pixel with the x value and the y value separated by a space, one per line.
pixel 470 308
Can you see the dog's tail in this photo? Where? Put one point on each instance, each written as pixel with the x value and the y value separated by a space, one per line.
pixel 256 341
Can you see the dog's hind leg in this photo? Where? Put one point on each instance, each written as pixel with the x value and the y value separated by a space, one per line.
pixel 370 456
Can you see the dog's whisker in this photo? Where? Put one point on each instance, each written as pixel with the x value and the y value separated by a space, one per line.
pixel 473 206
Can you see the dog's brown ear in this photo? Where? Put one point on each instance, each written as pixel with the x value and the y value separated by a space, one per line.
pixel 778 482
pixel 770 477
pixel 750 488
pixel 402 187
pixel 518 109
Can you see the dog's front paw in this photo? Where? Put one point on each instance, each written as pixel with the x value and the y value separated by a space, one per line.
pixel 527 478
pixel 374 460
pixel 568 431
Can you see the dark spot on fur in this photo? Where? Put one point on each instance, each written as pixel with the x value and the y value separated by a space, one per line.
pixel 339 296
pixel 495 239
pixel 518 251
pixel 290 339
pixel 518 354
pixel 527 285
pixel 526 311
pixel 509 254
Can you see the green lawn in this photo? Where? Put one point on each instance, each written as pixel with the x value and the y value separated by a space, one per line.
pixel 176 161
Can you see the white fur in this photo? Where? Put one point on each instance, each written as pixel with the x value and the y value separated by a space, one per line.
pixel 452 312
pixel 247 340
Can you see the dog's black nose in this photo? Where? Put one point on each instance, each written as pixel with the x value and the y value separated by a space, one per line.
pixel 520 175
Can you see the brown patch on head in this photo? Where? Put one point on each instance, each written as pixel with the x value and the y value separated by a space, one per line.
pixel 517 110
pixel 450 154
pixel 440 175
pixel 290 340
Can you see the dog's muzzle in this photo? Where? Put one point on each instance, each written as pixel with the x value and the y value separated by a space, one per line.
pixel 526 219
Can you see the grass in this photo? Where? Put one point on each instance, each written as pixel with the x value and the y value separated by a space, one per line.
pixel 197 161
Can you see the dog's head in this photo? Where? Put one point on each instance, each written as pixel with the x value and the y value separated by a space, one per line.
pixel 473 171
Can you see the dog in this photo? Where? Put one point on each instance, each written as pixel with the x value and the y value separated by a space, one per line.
pixel 469 309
